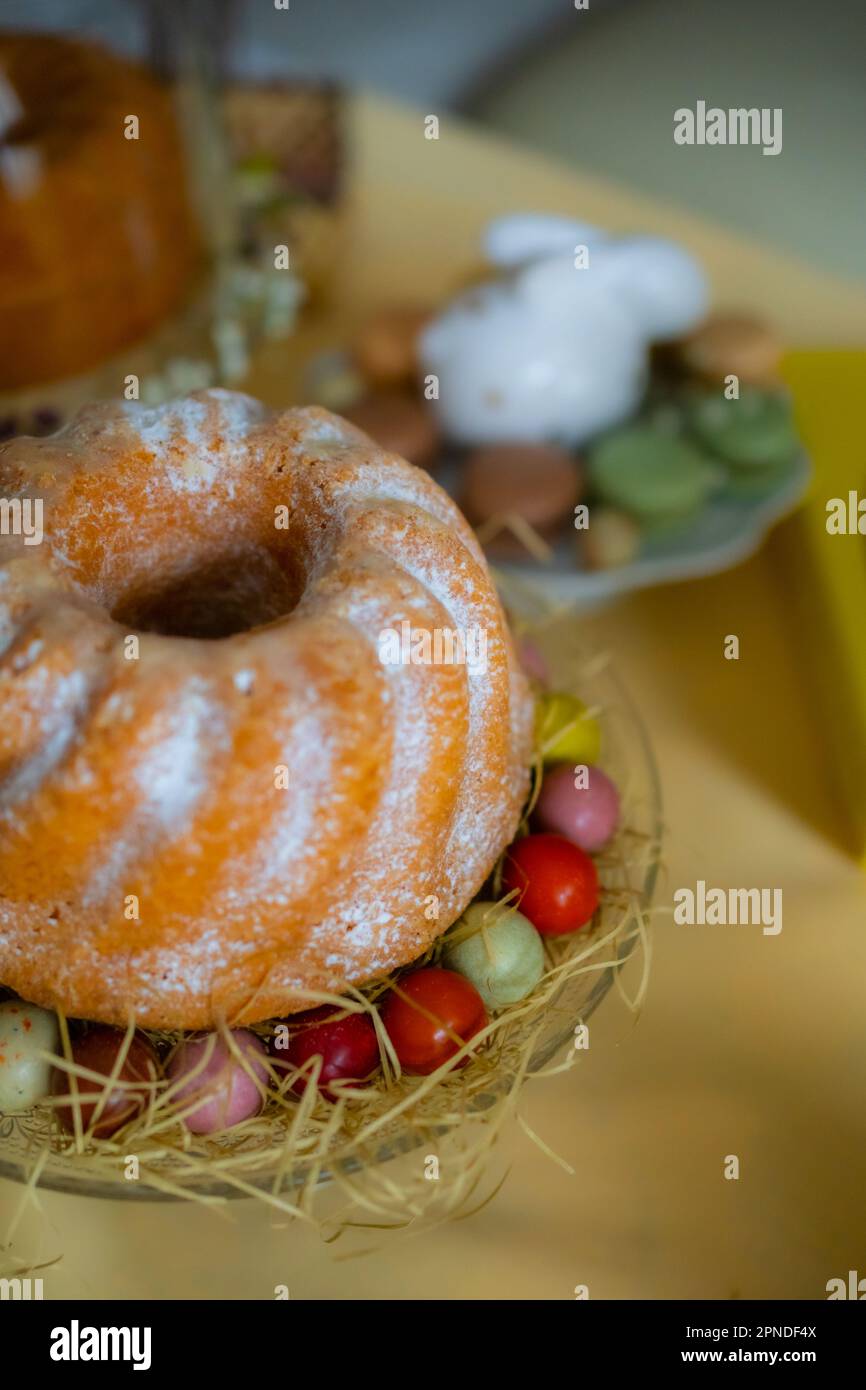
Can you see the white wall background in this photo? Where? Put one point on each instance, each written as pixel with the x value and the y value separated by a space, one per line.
pixel 603 98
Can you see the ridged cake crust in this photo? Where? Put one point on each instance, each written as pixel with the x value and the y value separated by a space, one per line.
pixel 154 779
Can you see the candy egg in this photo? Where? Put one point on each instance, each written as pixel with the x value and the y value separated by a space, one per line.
pixel 556 883
pixel 228 1092
pixel 564 731
pixel 586 815
pixel 499 951
pixel 96 1051
pixel 533 661
pixel 348 1048
pixel 25 1031
pixel 434 1013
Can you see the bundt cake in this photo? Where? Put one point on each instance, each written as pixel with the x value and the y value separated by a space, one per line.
pixel 97 239
pixel 225 775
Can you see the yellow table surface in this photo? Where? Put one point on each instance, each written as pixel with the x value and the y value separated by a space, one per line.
pixel 748 1044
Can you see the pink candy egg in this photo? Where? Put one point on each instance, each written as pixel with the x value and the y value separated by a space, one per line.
pixel 228 1092
pixel 533 662
pixel 588 816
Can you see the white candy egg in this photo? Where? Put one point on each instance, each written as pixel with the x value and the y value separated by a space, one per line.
pixel 25 1032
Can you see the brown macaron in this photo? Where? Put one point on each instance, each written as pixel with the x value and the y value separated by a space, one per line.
pixel 538 483
pixel 385 350
pixel 400 424
pixel 732 345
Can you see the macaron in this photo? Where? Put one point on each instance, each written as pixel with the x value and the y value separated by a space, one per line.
pixel 540 483
pixel 657 477
pixel 400 424
pixel 732 345
pixel 754 434
pixel 385 348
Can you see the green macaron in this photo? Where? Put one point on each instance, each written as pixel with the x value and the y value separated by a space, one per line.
pixel 752 434
pixel 655 475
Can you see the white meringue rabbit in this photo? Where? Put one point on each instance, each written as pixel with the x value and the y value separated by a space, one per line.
pixel 559 349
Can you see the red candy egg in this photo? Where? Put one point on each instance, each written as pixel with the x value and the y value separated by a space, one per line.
pixel 347 1045
pixel 434 1013
pixel 556 881
pixel 97 1050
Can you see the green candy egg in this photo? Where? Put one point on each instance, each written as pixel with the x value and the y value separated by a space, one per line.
pixel 498 950
pixel 564 732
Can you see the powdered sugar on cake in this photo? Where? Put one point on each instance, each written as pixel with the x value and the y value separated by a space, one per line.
pixel 285 804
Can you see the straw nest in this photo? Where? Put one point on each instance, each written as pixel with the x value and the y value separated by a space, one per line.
pixel 403 1147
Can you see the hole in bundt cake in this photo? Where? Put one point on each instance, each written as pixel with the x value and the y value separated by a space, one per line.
pixel 233 594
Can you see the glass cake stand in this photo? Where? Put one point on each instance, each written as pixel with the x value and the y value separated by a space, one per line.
pixel 25 1140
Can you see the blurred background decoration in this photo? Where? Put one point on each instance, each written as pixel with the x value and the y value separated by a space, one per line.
pixel 141 202
pixel 596 89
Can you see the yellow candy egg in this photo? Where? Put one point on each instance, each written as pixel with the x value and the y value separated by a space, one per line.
pixel 25 1032
pixel 564 732
pixel 498 950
